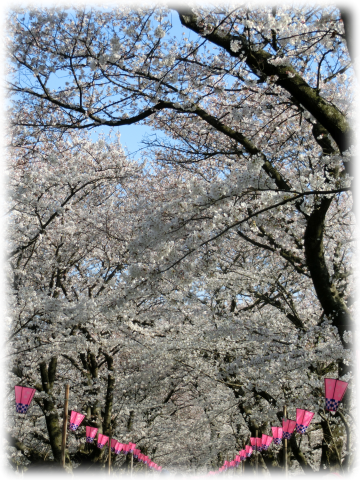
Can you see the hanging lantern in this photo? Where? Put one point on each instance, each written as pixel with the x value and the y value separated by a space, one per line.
pixel 114 442
pixel 243 454
pixel 75 420
pixel 91 434
pixel 23 397
pixel 232 464
pixel 132 446
pixel 266 441
pixel 303 419
pixel 136 452
pixel 334 393
pixel 125 449
pixel 288 428
pixel 102 440
pixel 277 434
pixel 237 459
pixel 248 450
pixel 256 442
pixel 118 448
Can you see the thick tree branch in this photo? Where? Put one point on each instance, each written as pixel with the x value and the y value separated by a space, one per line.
pixel 327 293
pixel 258 61
pixel 299 456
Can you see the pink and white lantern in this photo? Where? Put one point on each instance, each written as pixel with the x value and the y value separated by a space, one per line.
pixel 256 443
pixel 102 440
pixel 75 420
pixel 91 434
pixel 266 441
pixel 118 448
pixel 288 428
pixel 248 450
pixel 127 448
pixel 334 393
pixel 23 397
pixel 132 446
pixel 277 434
pixel 303 419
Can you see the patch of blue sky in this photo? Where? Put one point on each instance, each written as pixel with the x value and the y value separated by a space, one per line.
pixel 132 136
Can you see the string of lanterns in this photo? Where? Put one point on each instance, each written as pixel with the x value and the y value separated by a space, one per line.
pixel 23 397
pixel 334 393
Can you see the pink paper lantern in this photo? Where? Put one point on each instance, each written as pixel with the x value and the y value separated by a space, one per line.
pixel 232 464
pixel 118 448
pixel 303 419
pixel 266 441
pixel 102 440
pixel 125 449
pixel 277 434
pixel 132 446
pixel 334 393
pixel 288 428
pixel 75 420
pixel 248 451
pixel 91 434
pixel 113 444
pixel 23 397
pixel 256 443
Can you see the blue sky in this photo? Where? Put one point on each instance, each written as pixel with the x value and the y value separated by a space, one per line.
pixel 131 135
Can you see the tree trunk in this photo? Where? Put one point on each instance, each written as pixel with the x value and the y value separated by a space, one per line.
pixel 50 411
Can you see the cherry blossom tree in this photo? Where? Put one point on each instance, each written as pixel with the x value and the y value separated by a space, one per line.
pixel 221 271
